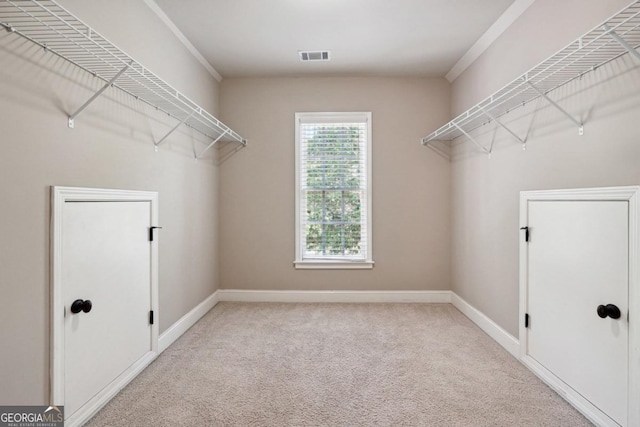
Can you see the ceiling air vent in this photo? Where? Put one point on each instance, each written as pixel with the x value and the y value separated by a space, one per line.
pixel 319 55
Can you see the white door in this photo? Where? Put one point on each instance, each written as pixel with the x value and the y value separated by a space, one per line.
pixel 578 260
pixel 104 293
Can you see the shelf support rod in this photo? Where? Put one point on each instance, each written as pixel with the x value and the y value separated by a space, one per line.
pixel 199 156
pixel 96 95
pixel 555 104
pixel 621 41
pixel 438 150
pixel 480 146
pixel 522 141
pixel 157 144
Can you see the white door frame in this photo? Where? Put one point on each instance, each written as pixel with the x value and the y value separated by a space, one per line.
pixel 59 196
pixel 632 195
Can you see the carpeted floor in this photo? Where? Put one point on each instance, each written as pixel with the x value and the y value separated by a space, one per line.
pixel 248 364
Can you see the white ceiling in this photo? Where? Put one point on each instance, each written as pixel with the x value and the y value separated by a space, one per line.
pixel 365 37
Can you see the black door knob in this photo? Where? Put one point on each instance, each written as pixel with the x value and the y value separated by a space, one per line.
pixel 609 310
pixel 81 305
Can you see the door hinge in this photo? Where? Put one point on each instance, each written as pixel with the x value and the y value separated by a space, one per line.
pixel 151 317
pixel 151 232
pixel 526 233
pixel 526 320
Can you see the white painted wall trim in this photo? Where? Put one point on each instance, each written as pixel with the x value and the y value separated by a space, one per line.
pixel 183 39
pixel 241 295
pixel 491 328
pixel 574 398
pixel 93 406
pixel 60 196
pixel 176 330
pixel 631 194
pixel 505 20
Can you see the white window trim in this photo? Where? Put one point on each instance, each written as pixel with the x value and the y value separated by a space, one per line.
pixel 343 264
pixel 333 265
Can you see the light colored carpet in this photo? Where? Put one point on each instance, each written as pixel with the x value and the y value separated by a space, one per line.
pixel 248 364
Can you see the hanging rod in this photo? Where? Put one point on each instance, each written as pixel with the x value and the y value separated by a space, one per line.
pixel 617 36
pixel 50 26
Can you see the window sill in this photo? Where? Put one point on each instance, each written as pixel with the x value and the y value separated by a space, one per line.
pixel 333 265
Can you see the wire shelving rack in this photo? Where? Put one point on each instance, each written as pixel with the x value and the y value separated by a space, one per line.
pixel 617 36
pixel 49 25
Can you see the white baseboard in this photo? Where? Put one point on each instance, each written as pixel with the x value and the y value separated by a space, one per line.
pixel 241 295
pixel 97 402
pixel 502 337
pixel 174 332
pixel 584 406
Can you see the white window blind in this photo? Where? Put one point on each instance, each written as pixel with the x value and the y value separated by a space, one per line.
pixel 333 186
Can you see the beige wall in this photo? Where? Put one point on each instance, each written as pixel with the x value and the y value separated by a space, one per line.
pixel 411 214
pixel 485 192
pixel 111 147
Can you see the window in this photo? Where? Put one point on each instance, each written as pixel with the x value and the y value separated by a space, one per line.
pixel 333 190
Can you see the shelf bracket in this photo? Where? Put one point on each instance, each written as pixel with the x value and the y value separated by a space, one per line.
pixel 472 139
pixel 199 156
pixel 157 144
pixel 621 41
pixel 555 104
pixel 96 95
pixel 520 140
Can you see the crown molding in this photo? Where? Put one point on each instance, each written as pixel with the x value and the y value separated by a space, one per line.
pixel 183 39
pixel 505 20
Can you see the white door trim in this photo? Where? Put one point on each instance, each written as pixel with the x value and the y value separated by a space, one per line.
pixel 631 194
pixel 59 196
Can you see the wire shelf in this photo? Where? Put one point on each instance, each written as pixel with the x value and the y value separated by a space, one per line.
pixel 49 25
pixel 615 37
